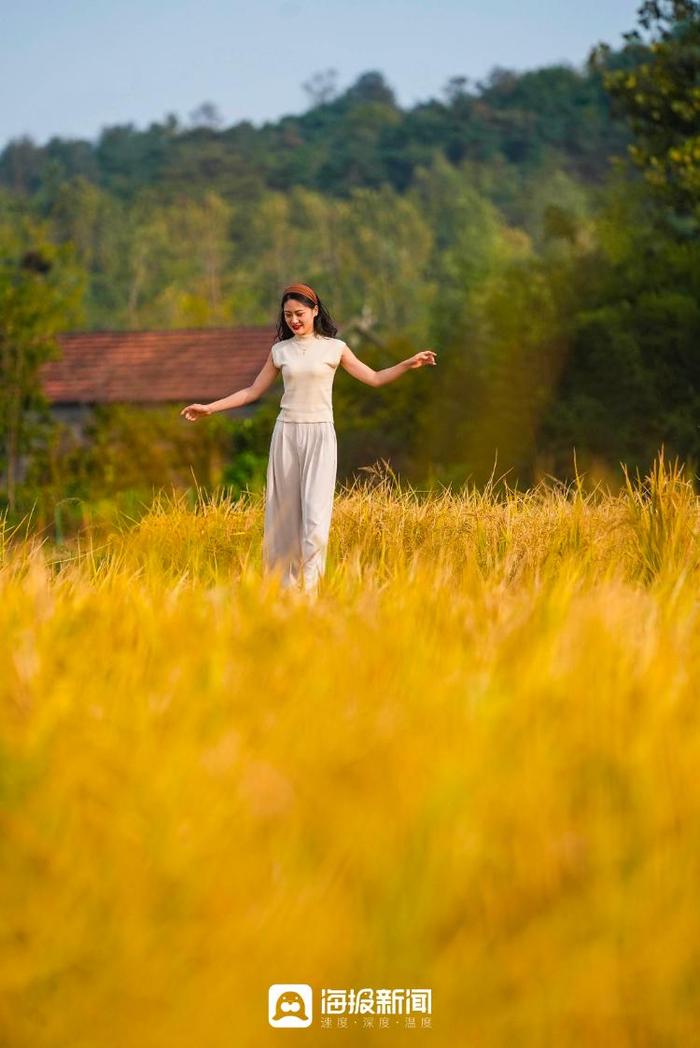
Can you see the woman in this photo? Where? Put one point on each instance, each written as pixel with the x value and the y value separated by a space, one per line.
pixel 301 470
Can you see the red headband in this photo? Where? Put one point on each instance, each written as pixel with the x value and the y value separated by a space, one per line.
pixel 304 289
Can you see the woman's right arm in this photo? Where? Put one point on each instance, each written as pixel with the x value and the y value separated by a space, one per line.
pixel 264 379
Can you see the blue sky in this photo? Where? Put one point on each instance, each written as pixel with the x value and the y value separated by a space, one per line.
pixel 69 68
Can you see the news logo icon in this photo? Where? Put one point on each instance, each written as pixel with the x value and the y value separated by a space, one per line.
pixel 290 1005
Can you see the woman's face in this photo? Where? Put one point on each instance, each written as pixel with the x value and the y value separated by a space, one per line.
pixel 299 317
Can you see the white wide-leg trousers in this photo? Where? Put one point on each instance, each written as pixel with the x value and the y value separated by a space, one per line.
pixel 301 475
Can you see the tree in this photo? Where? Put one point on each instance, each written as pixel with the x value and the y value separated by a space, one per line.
pixel 321 88
pixel 456 88
pixel 370 87
pixel 660 95
pixel 40 294
pixel 206 115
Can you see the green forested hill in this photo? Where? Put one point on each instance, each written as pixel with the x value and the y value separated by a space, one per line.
pixel 362 138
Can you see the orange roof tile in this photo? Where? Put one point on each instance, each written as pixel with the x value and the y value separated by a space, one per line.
pixel 189 365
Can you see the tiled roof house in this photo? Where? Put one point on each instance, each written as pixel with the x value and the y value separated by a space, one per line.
pixel 153 367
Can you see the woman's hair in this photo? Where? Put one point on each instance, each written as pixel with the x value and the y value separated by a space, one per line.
pixel 323 321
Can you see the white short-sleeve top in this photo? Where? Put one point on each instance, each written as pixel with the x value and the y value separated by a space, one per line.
pixel 308 364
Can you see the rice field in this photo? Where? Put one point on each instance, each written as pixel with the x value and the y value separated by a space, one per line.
pixel 470 764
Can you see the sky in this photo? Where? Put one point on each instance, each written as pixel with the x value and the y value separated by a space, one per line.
pixel 70 68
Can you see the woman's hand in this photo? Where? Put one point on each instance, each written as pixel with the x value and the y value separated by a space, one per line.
pixel 426 356
pixel 195 411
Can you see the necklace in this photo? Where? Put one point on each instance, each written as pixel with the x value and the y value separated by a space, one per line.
pixel 304 341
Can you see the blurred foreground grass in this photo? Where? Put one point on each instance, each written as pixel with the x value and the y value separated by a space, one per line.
pixel 471 764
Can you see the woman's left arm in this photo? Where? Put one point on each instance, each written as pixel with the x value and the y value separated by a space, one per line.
pixel 368 375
